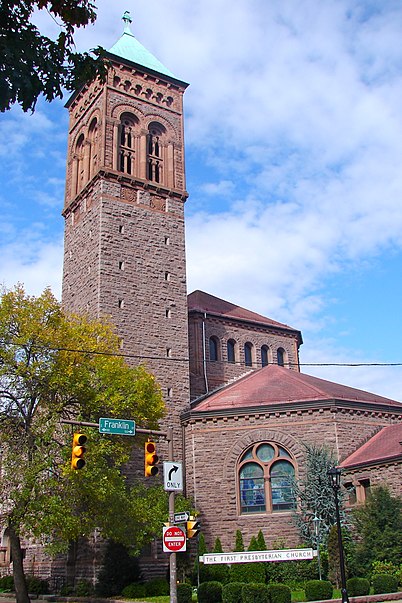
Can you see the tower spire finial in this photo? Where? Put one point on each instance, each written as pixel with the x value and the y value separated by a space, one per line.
pixel 127 20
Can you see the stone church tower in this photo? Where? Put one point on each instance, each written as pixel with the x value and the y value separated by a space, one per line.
pixel 124 254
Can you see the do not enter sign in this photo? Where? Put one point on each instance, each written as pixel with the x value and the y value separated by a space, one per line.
pixel 174 539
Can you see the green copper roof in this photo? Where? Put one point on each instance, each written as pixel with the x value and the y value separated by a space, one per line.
pixel 128 47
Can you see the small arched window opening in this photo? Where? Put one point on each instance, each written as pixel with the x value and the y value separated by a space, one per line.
pixel 127 140
pixel 231 350
pixel 93 147
pixel 281 356
pixel 213 349
pixel 266 473
pixel 79 158
pixel 264 355
pixel 155 136
pixel 248 354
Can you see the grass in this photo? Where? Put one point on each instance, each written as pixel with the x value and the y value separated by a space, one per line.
pixel 298 596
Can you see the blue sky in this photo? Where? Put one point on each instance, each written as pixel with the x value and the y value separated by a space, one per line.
pixel 294 145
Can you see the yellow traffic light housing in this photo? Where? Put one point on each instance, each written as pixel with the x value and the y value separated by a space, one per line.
pixel 78 451
pixel 151 459
pixel 192 527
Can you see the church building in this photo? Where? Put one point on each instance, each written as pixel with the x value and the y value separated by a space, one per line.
pixel 239 405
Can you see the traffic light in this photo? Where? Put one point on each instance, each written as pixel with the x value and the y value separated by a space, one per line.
pixel 78 451
pixel 151 459
pixel 192 527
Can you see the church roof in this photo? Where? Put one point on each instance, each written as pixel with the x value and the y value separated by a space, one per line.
pixel 275 385
pixel 129 48
pixel 385 445
pixel 198 301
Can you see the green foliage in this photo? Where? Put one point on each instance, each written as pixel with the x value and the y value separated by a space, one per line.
pixel 315 494
pixel 118 570
pixel 333 557
pixel 279 593
pixel 385 583
pixel 32 64
pixel 378 526
pixel 357 587
pixel 83 588
pixel 6 584
pixel 318 590
pixel 209 592
pixel 254 593
pixel 260 542
pixel 386 567
pixel 55 366
pixel 133 591
pixel 157 587
pixel 184 593
pixel 239 544
pixel 205 574
pixel 36 586
pixel 232 592
pixel 219 572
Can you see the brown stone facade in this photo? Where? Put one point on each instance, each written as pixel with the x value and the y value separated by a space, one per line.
pixel 215 442
pixel 206 373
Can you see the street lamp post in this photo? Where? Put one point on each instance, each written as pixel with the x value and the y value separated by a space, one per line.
pixel 335 477
pixel 316 523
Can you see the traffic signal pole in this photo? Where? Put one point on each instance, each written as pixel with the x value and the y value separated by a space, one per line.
pixel 169 437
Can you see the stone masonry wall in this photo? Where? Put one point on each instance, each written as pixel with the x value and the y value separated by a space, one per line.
pixel 215 444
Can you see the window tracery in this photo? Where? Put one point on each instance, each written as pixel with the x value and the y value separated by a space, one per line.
pixel 266 472
pixel 155 152
pixel 128 124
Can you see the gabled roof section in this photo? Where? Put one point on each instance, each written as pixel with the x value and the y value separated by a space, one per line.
pixel 129 48
pixel 198 301
pixel 384 446
pixel 275 385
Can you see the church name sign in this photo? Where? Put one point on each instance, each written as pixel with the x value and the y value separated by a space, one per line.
pixel 257 556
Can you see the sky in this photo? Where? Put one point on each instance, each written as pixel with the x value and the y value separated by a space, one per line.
pixel 293 129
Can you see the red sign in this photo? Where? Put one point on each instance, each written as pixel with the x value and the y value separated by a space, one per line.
pixel 174 539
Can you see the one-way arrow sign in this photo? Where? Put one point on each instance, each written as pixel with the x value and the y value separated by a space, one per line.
pixel 172 476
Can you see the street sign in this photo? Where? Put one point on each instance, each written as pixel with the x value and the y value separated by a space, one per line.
pixel 117 426
pixel 172 476
pixel 181 517
pixel 257 556
pixel 174 540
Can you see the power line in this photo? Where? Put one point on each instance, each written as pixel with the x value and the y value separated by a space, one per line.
pixel 173 359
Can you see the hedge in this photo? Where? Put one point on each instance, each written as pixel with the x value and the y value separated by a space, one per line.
pixel 318 590
pixel 279 593
pixel 184 593
pixel 385 583
pixel 231 593
pixel 210 592
pixel 358 587
pixel 255 593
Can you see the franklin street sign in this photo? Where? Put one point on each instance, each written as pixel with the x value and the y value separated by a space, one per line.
pixel 117 426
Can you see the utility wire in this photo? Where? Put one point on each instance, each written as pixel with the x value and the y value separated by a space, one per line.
pixel 215 362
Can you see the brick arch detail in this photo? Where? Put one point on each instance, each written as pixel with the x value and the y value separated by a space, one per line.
pixel 260 435
pixel 84 127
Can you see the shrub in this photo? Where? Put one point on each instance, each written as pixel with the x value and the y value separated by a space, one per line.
pixel 6 583
pixel 318 590
pixel 210 592
pixel 184 593
pixel 83 588
pixel 279 593
pixel 385 583
pixel 36 586
pixel 254 593
pixel 157 587
pixel 118 570
pixel 358 587
pixel 134 591
pixel 231 593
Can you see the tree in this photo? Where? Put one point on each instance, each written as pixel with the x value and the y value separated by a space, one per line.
pixel 315 494
pixel 54 366
pixel 32 64
pixel 378 527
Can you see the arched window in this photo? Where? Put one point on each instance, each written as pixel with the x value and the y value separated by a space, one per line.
pixel 93 147
pixel 213 349
pixel 266 475
pixel 248 354
pixel 231 349
pixel 280 355
pixel 127 138
pixel 264 355
pixel 155 152
pixel 79 154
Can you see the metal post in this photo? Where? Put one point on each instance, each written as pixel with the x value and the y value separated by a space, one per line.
pixel 335 475
pixel 317 522
pixel 172 556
